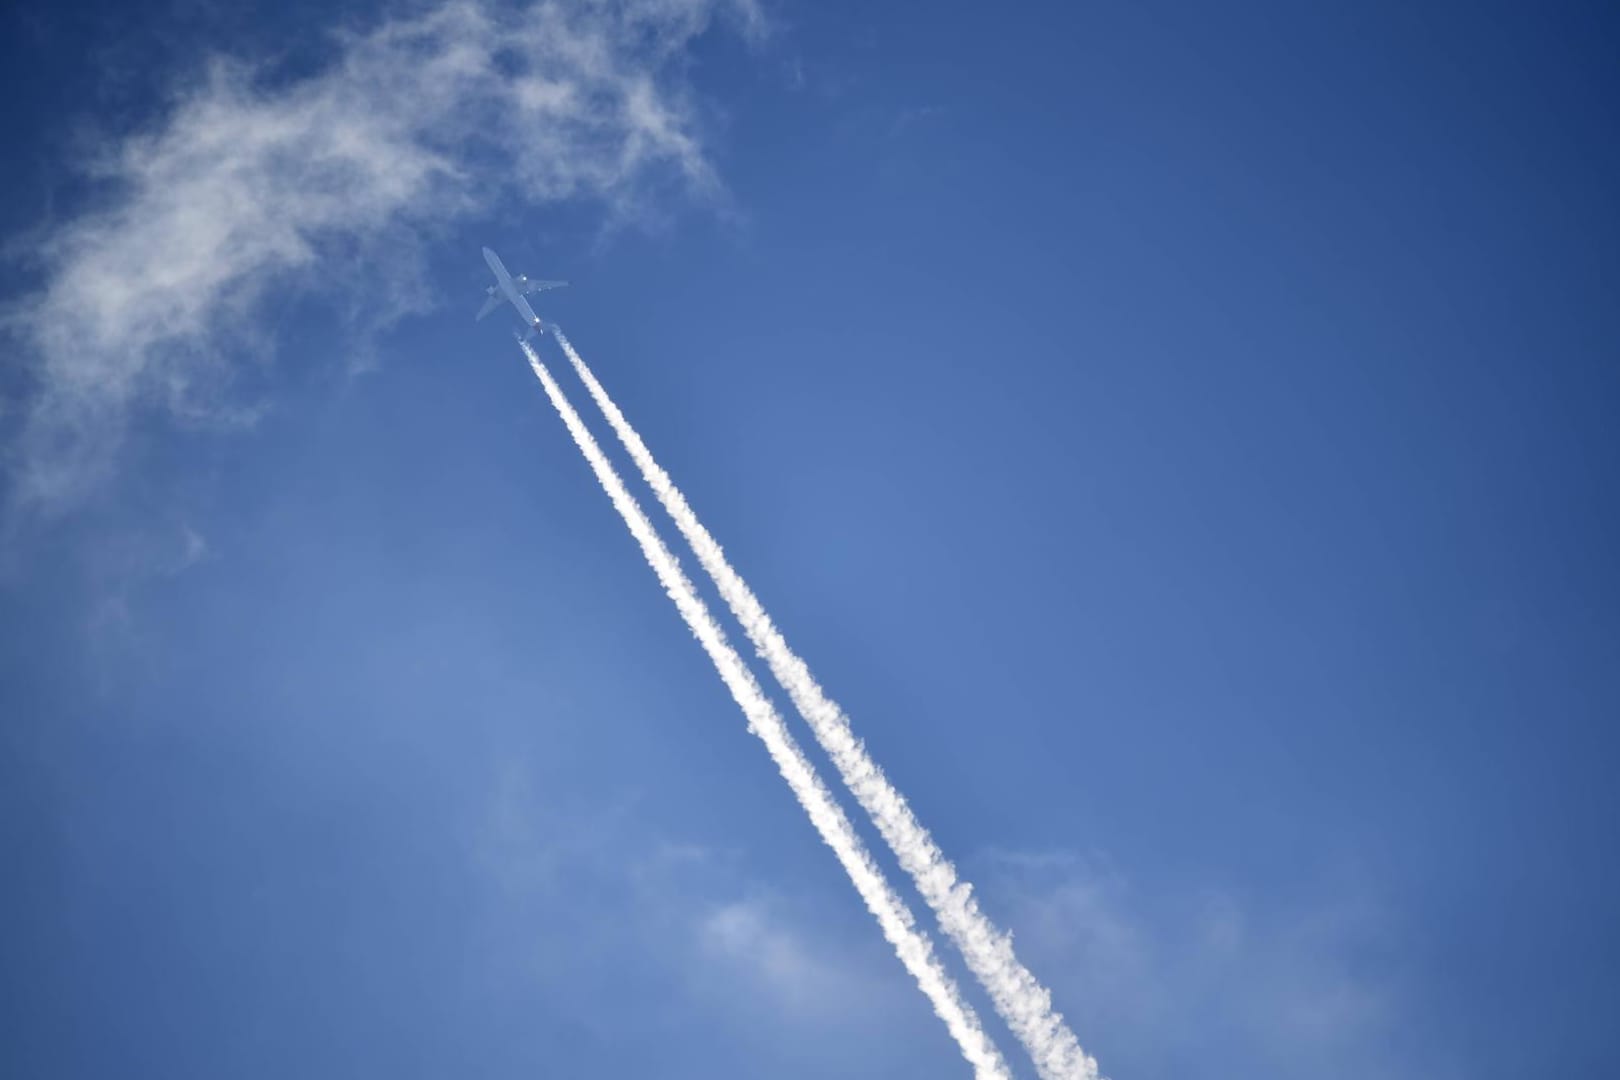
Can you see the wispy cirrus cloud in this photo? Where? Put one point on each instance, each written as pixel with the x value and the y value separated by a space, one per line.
pixel 1211 979
pixel 128 562
pixel 587 888
pixel 247 185
pixel 752 940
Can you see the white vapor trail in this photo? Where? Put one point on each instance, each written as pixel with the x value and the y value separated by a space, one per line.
pixel 1022 1001
pixel 912 944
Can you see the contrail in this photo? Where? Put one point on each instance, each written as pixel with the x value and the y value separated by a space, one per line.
pixel 910 943
pixel 1022 1001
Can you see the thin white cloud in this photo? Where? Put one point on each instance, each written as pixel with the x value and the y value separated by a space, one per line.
pixel 569 889
pixel 246 186
pixel 751 939
pixel 1238 987
pixel 124 566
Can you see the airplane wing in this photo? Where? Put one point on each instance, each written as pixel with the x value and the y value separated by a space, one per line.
pixel 491 304
pixel 542 286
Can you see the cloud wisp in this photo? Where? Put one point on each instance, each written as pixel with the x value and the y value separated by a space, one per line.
pixel 910 943
pixel 248 185
pixel 570 890
pixel 1204 978
pixel 1021 1000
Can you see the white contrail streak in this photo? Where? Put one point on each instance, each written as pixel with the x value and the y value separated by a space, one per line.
pixel 912 944
pixel 1022 1001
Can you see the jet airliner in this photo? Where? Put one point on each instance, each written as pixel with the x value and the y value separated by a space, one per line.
pixel 509 289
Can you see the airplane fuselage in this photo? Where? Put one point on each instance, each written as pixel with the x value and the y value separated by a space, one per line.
pixel 503 281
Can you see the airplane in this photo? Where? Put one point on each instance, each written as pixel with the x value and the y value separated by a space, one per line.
pixel 509 289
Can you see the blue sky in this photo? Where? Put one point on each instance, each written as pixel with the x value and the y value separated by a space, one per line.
pixel 1183 440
